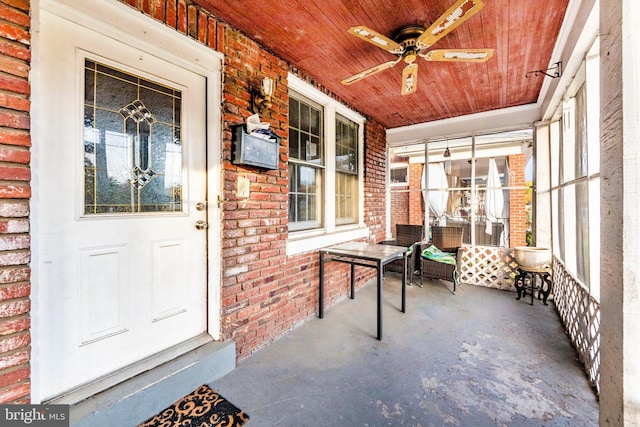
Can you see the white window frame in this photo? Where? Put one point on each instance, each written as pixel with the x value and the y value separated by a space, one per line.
pixel 330 233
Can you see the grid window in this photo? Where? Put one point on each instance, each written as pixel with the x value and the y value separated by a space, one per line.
pixel 325 170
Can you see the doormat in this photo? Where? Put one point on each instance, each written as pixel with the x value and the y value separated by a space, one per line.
pixel 203 407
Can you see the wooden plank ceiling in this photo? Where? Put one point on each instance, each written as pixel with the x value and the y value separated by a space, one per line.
pixel 313 37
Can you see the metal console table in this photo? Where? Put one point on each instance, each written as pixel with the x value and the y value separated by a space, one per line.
pixel 365 255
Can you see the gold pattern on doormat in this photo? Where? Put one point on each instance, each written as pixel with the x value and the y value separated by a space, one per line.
pixel 203 407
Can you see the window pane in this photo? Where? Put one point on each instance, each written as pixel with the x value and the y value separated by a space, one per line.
pixel 302 208
pixel 311 212
pixel 308 179
pixel 561 214
pixel 294 112
pixel 304 118
pixel 558 239
pixel 581 134
pixel 594 243
pixel 313 150
pixel 293 207
pixel 568 154
pixel 582 232
pixel 346 146
pixel 592 88
pixel 294 125
pixel 305 131
pixel 346 198
pixel 314 121
pixel 399 175
pixel 569 226
pixel 133 148
pixel 554 152
pixel 304 195
pixel 294 143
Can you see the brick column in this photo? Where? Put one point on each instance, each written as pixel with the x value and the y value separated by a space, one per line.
pixel 15 192
pixel 517 202
pixel 416 205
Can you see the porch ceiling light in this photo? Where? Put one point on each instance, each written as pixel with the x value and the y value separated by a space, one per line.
pixel 447 160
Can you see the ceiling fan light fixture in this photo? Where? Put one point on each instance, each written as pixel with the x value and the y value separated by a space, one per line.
pixel 409 58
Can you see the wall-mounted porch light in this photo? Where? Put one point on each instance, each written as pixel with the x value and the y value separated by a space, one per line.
pixel 262 98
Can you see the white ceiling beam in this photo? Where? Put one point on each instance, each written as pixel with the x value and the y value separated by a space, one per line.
pixel 502 120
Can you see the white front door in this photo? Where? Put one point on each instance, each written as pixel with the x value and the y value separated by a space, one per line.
pixel 121 199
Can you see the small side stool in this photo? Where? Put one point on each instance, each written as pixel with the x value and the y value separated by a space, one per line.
pixel 527 280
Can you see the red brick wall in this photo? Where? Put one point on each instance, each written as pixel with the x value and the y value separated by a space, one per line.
pixel 399 211
pixel 375 180
pixel 407 207
pixel 15 191
pixel 517 202
pixel 262 293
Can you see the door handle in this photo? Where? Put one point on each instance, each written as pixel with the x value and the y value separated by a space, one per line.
pixel 201 225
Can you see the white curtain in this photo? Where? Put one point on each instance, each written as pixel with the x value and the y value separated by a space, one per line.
pixel 439 195
pixel 493 197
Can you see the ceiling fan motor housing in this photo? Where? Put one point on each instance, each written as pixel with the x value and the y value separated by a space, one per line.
pixel 406 37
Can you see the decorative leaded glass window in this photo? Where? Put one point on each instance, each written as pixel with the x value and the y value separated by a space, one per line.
pixel 132 143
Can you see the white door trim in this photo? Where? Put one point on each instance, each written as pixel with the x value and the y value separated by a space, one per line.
pixel 120 22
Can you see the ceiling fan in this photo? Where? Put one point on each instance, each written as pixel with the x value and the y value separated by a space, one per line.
pixel 412 41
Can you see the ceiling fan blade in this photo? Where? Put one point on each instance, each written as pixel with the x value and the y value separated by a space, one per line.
pixel 377 39
pixel 410 79
pixel 456 15
pixel 366 73
pixel 458 55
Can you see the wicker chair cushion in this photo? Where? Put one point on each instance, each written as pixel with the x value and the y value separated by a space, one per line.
pixel 432 253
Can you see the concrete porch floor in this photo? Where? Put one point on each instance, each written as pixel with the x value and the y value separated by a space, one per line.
pixel 477 358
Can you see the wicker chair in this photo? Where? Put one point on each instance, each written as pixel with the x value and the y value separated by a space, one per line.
pixel 409 236
pixel 447 239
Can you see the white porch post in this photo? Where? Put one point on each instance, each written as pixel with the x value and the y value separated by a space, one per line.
pixel 425 193
pixel 542 184
pixel 620 222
